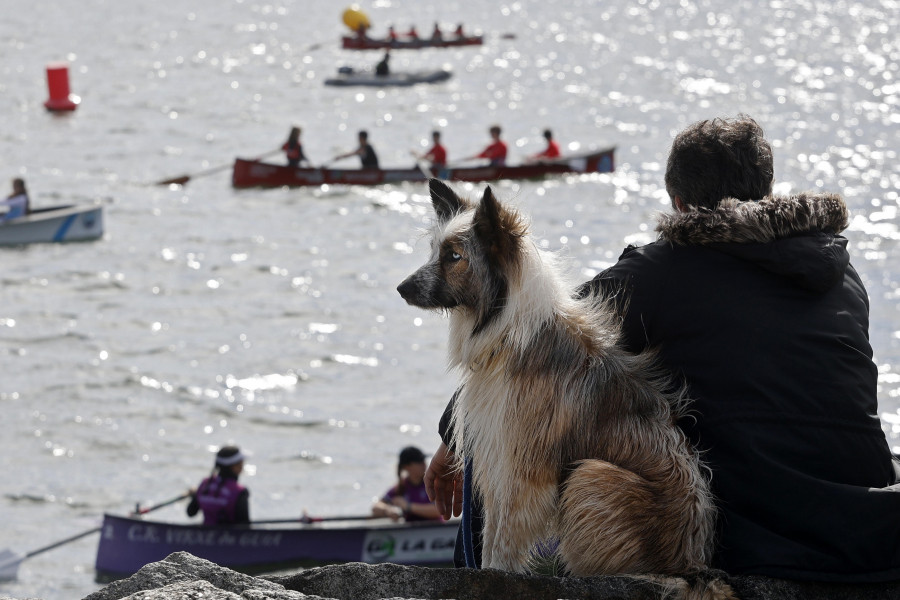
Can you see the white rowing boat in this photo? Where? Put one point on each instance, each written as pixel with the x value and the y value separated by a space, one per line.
pixel 68 223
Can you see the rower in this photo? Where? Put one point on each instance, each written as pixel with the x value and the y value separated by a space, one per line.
pixel 551 152
pixel 293 149
pixel 437 154
pixel 495 152
pixel 365 152
pixel 382 69
pixel 221 498
pixel 17 203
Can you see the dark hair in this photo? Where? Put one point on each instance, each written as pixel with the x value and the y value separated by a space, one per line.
pixel 495 128
pixel 720 158
pixel 548 134
pixel 436 133
pixel 408 455
pixel 364 134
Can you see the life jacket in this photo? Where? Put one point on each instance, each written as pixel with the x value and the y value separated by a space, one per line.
pixel 293 152
pixel 217 497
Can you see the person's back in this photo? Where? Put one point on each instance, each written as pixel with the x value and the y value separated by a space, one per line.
pixel 755 306
pixel 17 203
pixel 218 498
pixel 221 498
pixel 368 157
pixel 382 69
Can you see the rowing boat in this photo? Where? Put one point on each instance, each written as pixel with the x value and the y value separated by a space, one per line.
pixel 250 173
pixel 128 543
pixel 349 77
pixel 67 223
pixel 367 43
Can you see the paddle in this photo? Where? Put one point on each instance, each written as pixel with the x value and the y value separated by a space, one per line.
pixel 10 561
pixel 182 179
pixel 306 519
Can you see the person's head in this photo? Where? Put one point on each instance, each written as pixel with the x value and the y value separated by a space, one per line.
pixel 548 135
pixel 436 136
pixel 412 460
pixel 717 159
pixel 494 131
pixel 230 458
pixel 295 133
pixel 363 136
pixel 18 185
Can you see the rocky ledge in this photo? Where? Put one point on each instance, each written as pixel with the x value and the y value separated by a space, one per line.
pixel 182 576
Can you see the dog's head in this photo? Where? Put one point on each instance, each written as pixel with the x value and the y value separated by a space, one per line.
pixel 475 251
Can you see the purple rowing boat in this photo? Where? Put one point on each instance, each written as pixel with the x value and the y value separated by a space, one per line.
pixel 127 544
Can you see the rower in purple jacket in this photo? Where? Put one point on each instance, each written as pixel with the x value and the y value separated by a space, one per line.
pixel 221 498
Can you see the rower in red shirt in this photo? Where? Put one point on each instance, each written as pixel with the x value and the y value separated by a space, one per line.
pixel 496 151
pixel 437 154
pixel 551 152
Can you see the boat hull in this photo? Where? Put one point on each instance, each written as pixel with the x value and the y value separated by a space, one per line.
pixel 127 544
pixel 399 79
pixel 249 173
pixel 356 43
pixel 68 223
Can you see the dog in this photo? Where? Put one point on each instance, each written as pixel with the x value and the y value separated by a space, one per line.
pixel 571 437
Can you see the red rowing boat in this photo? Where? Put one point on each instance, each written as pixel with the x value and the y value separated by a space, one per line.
pixel 407 43
pixel 252 173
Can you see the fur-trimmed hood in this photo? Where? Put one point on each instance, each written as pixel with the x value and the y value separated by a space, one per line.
pixel 795 236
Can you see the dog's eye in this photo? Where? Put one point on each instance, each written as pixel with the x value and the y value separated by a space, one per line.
pixel 455 256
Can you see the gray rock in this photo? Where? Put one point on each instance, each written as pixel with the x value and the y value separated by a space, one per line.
pixel 182 576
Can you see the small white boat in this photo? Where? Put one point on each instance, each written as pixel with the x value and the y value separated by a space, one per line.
pixel 67 223
pixel 349 77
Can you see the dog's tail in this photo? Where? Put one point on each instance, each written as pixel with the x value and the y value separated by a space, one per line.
pixel 705 585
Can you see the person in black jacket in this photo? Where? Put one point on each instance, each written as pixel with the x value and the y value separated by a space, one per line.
pixel 751 300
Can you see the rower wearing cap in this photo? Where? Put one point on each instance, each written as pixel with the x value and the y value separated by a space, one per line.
pixel 408 499
pixel 221 498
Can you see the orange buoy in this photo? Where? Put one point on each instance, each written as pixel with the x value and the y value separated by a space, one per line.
pixel 58 85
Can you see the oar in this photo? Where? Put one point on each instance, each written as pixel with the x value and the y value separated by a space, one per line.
pixel 10 561
pixel 306 519
pixel 182 179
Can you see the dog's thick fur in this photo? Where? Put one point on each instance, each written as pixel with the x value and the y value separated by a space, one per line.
pixel 570 436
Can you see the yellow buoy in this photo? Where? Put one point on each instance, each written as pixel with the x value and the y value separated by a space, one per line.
pixel 354 18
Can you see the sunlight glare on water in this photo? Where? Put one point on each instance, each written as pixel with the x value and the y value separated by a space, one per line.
pixel 270 318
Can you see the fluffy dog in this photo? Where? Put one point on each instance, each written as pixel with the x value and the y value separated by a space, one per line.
pixel 570 436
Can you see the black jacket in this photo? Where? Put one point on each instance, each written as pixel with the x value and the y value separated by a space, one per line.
pixel 756 306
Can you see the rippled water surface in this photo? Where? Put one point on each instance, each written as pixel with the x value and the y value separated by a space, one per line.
pixel 270 318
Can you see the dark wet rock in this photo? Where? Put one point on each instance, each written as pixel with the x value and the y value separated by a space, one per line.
pixel 182 576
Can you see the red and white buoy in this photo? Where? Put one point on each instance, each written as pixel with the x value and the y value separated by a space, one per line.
pixel 58 84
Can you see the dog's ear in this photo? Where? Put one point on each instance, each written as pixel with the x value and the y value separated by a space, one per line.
pixel 445 201
pixel 498 229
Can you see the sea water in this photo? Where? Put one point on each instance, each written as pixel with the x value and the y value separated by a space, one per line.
pixel 269 318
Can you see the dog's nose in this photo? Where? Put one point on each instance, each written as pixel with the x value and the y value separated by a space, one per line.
pixel 405 289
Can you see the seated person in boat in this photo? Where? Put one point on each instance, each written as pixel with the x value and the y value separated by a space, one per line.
pixel 382 69
pixel 437 154
pixel 551 152
pixel 221 498
pixel 392 34
pixel 365 152
pixel 412 33
pixel 408 498
pixel 293 149
pixel 496 151
pixel 17 203
pixel 459 31
pixel 436 33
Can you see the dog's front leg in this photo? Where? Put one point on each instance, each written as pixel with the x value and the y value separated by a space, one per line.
pixel 521 517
